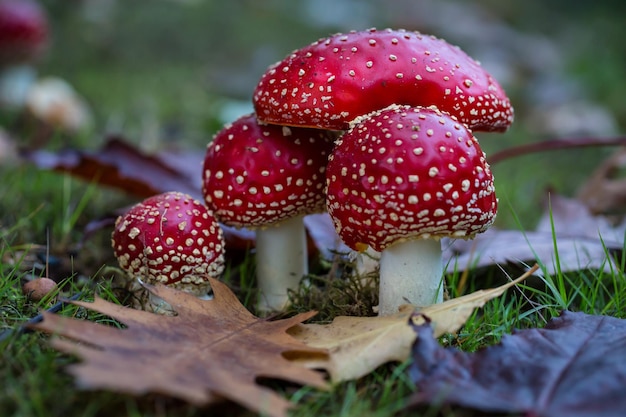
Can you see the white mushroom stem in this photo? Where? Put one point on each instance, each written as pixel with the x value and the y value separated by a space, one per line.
pixel 411 272
pixel 281 262
pixel 365 262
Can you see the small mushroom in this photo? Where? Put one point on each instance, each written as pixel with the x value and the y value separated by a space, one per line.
pixel 23 39
pixel 266 178
pixel 170 239
pixel 38 288
pixel 398 181
pixel 336 79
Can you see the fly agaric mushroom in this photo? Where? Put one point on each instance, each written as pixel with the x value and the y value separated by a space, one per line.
pixel 401 179
pixel 170 239
pixel 266 178
pixel 332 81
pixel 23 38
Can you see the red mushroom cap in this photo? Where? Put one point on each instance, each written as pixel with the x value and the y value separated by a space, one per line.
pixel 23 31
pixel 408 173
pixel 255 175
pixel 332 81
pixel 171 239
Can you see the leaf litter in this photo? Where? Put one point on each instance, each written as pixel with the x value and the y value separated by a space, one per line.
pixel 214 349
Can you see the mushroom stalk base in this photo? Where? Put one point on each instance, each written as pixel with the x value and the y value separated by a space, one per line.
pixel 411 272
pixel 281 262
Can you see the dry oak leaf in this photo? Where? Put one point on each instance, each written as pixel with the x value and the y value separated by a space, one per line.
pixel 358 345
pixel 213 349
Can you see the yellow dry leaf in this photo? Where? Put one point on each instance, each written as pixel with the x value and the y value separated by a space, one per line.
pixel 358 345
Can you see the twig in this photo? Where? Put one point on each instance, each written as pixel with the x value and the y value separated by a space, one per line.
pixel 553 145
pixel 23 328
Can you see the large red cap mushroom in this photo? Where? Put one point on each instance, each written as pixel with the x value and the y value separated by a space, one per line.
pixel 332 81
pixel 266 178
pixel 399 180
pixel 170 239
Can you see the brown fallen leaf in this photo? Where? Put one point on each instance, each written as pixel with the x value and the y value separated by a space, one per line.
pixel 121 165
pixel 358 345
pixel 212 349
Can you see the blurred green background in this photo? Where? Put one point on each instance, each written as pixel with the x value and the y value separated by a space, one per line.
pixel 172 72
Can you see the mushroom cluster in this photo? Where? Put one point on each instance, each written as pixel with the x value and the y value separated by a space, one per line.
pixel 406 169
pixel 373 126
